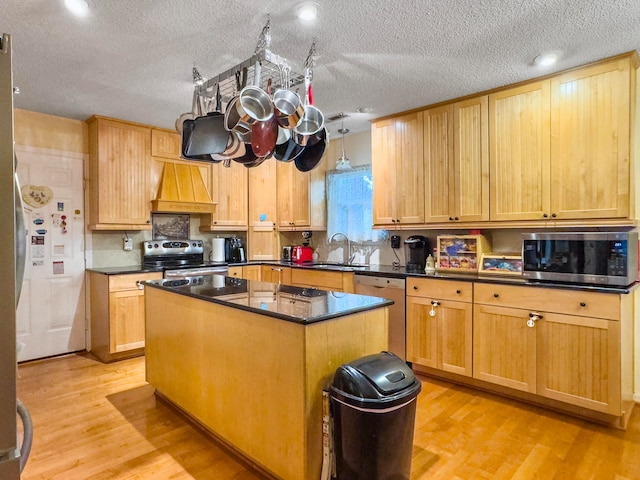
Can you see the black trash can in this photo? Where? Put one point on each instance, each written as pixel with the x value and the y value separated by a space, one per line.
pixel 373 403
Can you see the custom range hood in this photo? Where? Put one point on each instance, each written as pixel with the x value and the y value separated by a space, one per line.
pixel 182 190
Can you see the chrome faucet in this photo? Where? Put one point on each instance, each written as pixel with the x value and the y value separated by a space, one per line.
pixel 351 257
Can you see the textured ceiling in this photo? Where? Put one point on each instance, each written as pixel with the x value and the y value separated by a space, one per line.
pixel 132 59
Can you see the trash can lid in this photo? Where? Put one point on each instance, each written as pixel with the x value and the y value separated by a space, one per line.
pixel 374 376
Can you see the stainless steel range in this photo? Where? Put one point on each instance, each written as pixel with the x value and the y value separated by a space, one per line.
pixel 179 258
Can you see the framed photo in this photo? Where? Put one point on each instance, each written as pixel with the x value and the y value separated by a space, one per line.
pixel 501 264
pixel 170 226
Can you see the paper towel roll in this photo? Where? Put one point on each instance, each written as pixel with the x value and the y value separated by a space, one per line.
pixel 217 250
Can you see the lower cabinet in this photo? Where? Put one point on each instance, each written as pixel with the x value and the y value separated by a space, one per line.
pixel 276 274
pixel 440 324
pixel 117 314
pixel 563 348
pixel 322 279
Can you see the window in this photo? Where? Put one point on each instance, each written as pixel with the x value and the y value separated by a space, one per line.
pixel 349 205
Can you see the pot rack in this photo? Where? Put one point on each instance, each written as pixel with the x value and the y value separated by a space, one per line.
pixel 270 65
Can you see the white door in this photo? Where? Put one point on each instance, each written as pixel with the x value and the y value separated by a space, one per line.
pixel 51 311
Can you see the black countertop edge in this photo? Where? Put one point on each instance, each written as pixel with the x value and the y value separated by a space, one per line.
pixel 344 304
pixel 125 270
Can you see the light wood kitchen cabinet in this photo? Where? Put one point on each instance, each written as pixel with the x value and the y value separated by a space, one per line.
pixel 262 235
pixel 590 141
pixel 323 279
pixel 165 144
pixel 276 274
pixel 301 197
pixel 569 346
pixel 520 152
pixel 252 272
pixel 456 156
pixel 119 179
pixel 117 314
pixel 440 324
pixel 235 272
pixel 229 189
pixel 398 171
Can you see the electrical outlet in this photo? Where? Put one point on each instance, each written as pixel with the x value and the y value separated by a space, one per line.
pixel 127 244
pixel 395 241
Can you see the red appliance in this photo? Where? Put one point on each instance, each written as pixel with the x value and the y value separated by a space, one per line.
pixel 302 254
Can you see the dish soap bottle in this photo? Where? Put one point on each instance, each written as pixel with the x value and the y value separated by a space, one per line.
pixel 431 265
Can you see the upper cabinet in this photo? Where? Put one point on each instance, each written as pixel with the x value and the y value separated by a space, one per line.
pixel 398 171
pixel 301 198
pixel 165 144
pixel 263 236
pixel 554 152
pixel 119 179
pixel 456 156
pixel 229 189
pixel 590 141
pixel 519 145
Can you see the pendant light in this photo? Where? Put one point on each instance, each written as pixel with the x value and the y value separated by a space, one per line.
pixel 343 162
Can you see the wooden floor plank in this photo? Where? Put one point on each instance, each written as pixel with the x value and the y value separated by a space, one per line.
pixel 102 421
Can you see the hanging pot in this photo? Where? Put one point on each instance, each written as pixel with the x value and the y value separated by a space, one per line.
pixel 264 134
pixel 311 122
pixel 312 155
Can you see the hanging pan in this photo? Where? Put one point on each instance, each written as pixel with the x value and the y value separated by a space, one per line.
pixel 312 155
pixel 209 135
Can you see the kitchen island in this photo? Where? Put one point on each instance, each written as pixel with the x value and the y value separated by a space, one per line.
pixel 248 361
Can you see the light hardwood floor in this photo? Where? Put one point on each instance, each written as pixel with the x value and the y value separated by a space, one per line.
pixel 97 421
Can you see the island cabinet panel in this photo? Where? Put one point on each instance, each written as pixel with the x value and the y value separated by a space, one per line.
pixel 519 159
pixel 117 314
pixel 440 324
pixel 590 142
pixel 398 171
pixel 119 178
pixel 266 405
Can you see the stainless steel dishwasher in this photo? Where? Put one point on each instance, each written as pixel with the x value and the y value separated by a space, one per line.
pixel 393 289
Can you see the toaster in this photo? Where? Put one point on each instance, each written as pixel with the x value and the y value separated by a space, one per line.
pixel 302 254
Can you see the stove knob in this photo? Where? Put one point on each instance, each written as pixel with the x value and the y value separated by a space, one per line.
pixel 155 245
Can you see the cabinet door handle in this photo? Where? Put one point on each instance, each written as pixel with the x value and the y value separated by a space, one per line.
pixel 415 288
pixel 434 304
pixel 533 318
pixel 458 292
pixel 496 295
pixel 456 218
pixel 276 269
pixel 450 218
pixel 140 285
pixel 553 215
pixel 545 215
pixel 583 304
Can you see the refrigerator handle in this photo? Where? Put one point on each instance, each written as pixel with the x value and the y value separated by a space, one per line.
pixel 21 239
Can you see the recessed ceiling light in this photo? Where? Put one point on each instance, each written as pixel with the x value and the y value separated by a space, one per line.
pixel 546 59
pixel 307 12
pixel 79 8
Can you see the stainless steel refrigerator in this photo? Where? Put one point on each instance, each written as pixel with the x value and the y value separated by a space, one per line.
pixel 12 237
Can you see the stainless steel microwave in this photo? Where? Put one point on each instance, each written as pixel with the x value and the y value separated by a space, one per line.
pixel 598 258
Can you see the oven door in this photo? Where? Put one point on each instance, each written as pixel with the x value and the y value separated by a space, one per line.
pixel 196 271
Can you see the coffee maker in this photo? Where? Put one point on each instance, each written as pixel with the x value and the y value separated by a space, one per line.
pixel 416 249
pixel 234 250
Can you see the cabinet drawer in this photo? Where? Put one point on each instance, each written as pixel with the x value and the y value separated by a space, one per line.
pixel 570 302
pixel 118 283
pixel 319 279
pixel 440 289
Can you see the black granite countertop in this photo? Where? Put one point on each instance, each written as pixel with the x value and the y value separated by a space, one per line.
pixel 293 304
pixel 399 272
